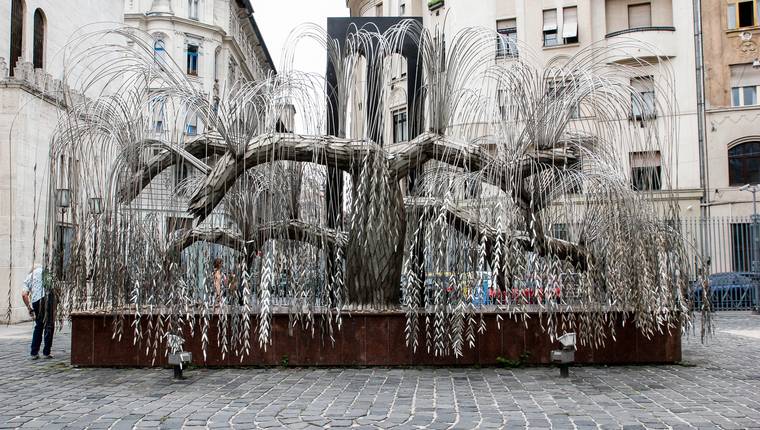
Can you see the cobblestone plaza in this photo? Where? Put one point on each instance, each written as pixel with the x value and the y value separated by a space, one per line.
pixel 717 386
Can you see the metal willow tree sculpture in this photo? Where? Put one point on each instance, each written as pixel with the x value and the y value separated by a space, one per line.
pixel 317 224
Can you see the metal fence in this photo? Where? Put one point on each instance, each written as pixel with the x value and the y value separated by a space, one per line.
pixel 726 244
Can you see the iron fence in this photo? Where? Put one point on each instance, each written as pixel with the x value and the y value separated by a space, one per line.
pixel 726 246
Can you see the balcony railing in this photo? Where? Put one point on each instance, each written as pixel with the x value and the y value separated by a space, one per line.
pixel 639 29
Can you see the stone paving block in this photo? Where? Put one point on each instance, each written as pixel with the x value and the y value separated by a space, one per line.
pixel 719 391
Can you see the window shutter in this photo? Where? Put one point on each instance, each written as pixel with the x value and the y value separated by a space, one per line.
pixel 550 19
pixel 743 75
pixel 504 24
pixel 645 159
pixel 570 22
pixel 639 15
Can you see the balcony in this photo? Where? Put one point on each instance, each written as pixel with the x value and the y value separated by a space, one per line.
pixel 642 43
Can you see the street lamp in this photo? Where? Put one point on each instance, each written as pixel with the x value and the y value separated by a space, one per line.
pixel 63 201
pixel 755 239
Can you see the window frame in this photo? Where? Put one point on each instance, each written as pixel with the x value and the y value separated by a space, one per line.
pixel 16 39
pixel 747 163
pixel 635 5
pixel 738 95
pixel 646 177
pixel 549 33
pixel 642 115
pixel 733 19
pixel 397 113
pixel 39 33
pixel 574 39
pixel 192 59
pixel 506 43
pixel 192 9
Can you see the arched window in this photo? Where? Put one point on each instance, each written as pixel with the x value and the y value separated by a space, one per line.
pixel 744 164
pixel 38 54
pixel 159 50
pixel 17 32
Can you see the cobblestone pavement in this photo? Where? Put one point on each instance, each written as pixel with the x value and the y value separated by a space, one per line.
pixel 717 387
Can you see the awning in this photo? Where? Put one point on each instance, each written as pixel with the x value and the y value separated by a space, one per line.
pixel 550 19
pixel 570 22
pixel 645 159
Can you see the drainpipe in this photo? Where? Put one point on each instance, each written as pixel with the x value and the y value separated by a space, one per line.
pixel 704 207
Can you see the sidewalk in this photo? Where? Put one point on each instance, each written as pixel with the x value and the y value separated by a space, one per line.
pixel 717 387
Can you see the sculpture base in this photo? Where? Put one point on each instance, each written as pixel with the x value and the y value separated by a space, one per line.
pixel 365 339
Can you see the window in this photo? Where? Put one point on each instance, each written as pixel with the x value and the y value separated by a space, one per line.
pixel 507 111
pixel 646 171
pixel 550 27
pixel 569 34
pixel 379 9
pixel 192 60
pixel 742 13
pixel 192 125
pixel 741 246
pixel 744 164
pixel 192 9
pixel 560 231
pixel 506 45
pixel 399 126
pixel 159 52
pixel 639 15
pixel 557 90
pixel 17 32
pixel 643 98
pixel 38 54
pixel 744 83
pixel 157 114
pixel 570 24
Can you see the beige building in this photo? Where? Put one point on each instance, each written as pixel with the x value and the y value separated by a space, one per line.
pixel 731 31
pixel 31 67
pixel 731 35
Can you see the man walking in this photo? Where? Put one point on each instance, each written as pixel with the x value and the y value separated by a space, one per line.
pixel 41 306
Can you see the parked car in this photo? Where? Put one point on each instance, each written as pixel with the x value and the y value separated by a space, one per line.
pixel 729 291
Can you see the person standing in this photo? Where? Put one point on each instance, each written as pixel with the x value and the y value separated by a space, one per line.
pixel 41 306
pixel 219 282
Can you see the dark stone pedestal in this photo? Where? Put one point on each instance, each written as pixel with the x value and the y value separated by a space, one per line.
pixel 366 339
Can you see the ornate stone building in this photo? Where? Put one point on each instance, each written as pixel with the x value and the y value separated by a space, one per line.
pixel 34 35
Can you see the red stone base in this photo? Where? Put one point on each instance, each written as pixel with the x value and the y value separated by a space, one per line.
pixel 366 339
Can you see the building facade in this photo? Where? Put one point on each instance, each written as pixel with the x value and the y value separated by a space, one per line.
pixel 731 34
pixel 216 42
pixel 31 102
pixel 554 30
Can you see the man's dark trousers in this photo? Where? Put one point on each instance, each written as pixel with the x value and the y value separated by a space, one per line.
pixel 44 323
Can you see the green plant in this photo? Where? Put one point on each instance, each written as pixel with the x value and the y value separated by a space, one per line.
pixel 508 363
pixel 284 361
pixel 434 3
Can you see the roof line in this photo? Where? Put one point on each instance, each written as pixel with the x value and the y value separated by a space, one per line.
pixel 247 5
